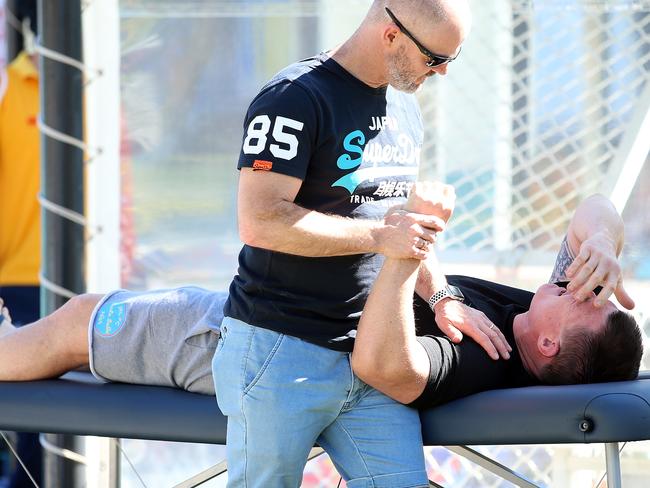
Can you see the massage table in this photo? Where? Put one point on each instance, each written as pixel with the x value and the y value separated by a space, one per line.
pixel 606 413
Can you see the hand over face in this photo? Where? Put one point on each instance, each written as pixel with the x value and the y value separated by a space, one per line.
pixel 597 265
pixel 432 198
pixel 455 319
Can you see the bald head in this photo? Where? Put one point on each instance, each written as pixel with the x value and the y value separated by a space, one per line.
pixel 404 49
pixel 422 13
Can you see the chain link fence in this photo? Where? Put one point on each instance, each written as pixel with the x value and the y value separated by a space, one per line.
pixel 566 84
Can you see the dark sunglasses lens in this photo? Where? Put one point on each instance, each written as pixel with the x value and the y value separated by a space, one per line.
pixel 436 61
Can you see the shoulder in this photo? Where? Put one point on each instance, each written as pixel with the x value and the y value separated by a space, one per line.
pixel 289 96
pixel 297 81
pixel 282 93
pixel 305 71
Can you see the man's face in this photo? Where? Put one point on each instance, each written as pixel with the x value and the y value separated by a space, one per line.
pixel 406 65
pixel 402 72
pixel 554 311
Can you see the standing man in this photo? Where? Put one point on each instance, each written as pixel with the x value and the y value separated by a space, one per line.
pixel 329 144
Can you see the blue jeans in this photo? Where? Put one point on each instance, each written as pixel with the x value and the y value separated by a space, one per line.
pixel 282 395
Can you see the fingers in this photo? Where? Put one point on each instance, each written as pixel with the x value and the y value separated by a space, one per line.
pixel 597 271
pixel 604 294
pixel 404 237
pixel 577 263
pixel 422 243
pixel 582 274
pixel 619 292
pixel 504 342
pixel 482 339
pixel 599 277
pixel 487 335
pixel 623 298
pixel 490 338
pixel 422 246
pixel 452 332
pixel 455 319
pixel 431 222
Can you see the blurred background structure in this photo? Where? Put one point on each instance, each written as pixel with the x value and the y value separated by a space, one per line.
pixel 548 103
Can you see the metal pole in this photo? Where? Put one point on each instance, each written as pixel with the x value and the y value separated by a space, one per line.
pixel 61 182
pixel 492 466
pixel 613 462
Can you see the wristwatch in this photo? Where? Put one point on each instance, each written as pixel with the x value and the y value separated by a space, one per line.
pixel 449 291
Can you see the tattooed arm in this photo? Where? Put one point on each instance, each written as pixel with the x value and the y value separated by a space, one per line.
pixel 564 259
pixel 589 253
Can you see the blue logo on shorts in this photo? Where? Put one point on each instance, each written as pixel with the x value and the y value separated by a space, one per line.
pixel 109 322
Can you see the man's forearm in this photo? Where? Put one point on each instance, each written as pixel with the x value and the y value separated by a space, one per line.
pixel 287 227
pixel 270 219
pixel 595 215
pixel 430 277
pixel 386 353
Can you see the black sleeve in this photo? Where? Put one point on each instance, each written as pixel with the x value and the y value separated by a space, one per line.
pixel 280 130
pixel 457 370
pixel 442 361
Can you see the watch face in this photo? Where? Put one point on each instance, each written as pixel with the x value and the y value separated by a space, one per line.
pixel 455 292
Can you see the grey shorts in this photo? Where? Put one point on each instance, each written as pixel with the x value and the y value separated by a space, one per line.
pixel 163 337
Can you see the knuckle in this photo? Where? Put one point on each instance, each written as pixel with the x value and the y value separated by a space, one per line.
pixel 600 275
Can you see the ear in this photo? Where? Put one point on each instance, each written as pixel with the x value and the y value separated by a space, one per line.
pixel 389 34
pixel 548 346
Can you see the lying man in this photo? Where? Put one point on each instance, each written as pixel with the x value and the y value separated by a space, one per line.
pixel 563 334
pixel 559 336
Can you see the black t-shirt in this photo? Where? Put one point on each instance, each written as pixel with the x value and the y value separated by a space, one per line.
pixel 458 370
pixel 356 150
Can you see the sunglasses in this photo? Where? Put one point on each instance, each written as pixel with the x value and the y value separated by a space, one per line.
pixel 434 59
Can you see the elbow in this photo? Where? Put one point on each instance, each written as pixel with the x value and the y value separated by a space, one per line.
pixel 363 366
pixel 250 234
pixel 368 369
pixel 260 226
pixel 389 378
pixel 256 229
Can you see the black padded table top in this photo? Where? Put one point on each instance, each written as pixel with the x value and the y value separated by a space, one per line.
pixel 604 412
pixel 77 404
